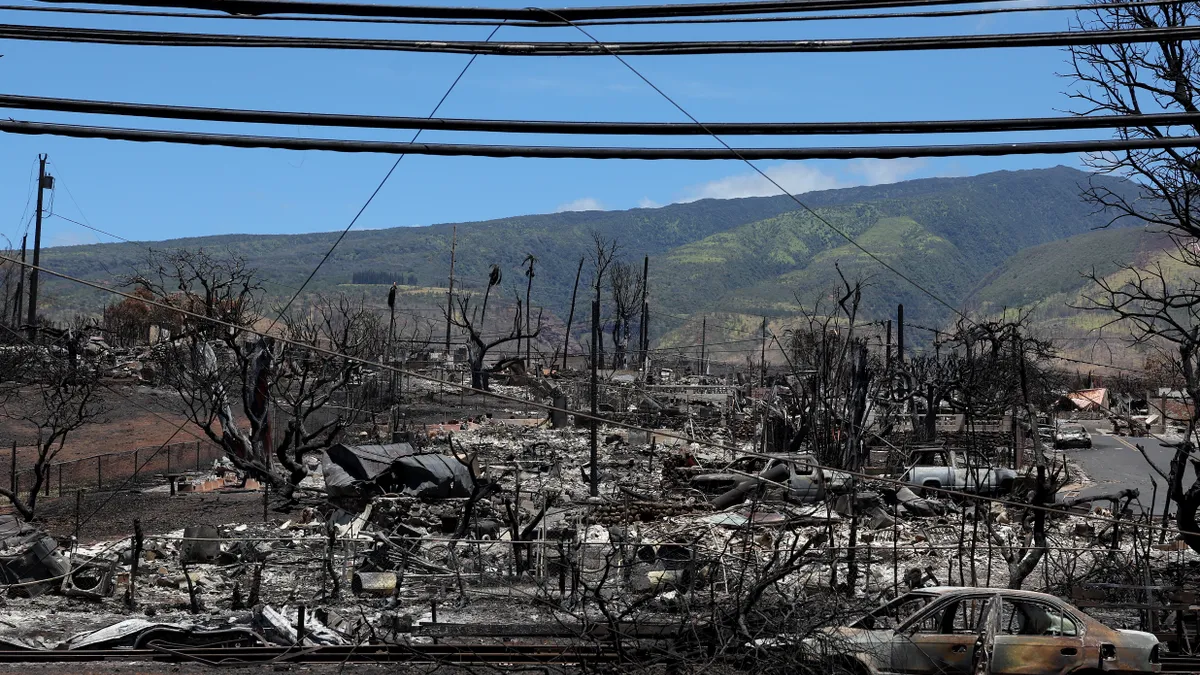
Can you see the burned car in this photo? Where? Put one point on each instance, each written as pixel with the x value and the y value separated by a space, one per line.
pixel 957 470
pixel 1072 436
pixel 960 630
pixel 804 478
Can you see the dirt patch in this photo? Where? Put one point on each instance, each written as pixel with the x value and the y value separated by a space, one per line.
pixel 136 417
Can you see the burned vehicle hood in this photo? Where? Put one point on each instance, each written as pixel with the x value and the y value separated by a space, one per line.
pixel 869 647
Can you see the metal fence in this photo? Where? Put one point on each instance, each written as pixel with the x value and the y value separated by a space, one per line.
pixel 110 470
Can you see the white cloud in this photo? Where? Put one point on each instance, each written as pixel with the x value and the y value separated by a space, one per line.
pixel 647 203
pixel 795 178
pixel 884 171
pixel 798 178
pixel 581 204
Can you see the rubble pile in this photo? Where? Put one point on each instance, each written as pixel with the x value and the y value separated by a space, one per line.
pixel 495 526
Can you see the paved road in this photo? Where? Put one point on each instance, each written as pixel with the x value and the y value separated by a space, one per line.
pixel 1114 463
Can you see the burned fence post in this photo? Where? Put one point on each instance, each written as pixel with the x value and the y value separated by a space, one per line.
pixel 330 544
pixel 138 542
pixel 193 601
pixel 78 508
pixel 256 583
pixel 12 468
pixel 300 625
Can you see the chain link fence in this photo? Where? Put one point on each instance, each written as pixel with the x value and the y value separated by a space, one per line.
pixel 109 470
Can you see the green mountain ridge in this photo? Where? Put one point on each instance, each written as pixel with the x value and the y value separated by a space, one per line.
pixel 752 256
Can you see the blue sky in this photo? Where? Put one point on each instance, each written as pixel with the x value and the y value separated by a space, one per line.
pixel 159 191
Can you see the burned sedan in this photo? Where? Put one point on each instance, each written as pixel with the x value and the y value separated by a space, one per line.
pixel 801 473
pixel 1072 436
pixel 961 630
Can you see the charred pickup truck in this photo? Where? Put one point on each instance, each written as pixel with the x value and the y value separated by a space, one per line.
pixel 957 470
pixel 962 631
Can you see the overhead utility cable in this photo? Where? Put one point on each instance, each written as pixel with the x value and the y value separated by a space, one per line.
pixel 569 152
pixel 929 14
pixel 674 48
pixel 595 128
pixel 526 14
pixel 739 154
pixel 458 78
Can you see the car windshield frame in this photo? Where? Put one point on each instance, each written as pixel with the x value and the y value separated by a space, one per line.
pixel 929 598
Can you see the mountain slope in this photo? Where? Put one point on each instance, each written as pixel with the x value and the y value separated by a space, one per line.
pixel 746 256
pixel 945 235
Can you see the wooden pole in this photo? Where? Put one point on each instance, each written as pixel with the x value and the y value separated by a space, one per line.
pixel 644 335
pixel 528 311
pixel 391 338
pixel 899 333
pixel 762 376
pixel 450 289
pixel 37 249
pixel 703 343
pixel 594 478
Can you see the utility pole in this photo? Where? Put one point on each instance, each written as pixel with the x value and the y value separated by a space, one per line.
pixel 20 286
pixel 450 290
pixel 762 359
pixel 44 182
pixel 392 336
pixel 703 342
pixel 643 336
pixel 594 478
pixel 900 333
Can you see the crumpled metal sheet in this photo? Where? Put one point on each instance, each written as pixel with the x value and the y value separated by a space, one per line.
pixel 429 477
pixel 396 469
pixel 367 462
pixel 123 633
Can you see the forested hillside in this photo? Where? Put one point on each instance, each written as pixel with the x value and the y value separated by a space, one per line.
pixel 754 256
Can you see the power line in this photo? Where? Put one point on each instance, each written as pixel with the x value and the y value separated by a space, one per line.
pixel 576 152
pixel 746 159
pixel 598 22
pixel 594 128
pixel 94 229
pixel 379 187
pixel 675 48
pixel 524 14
